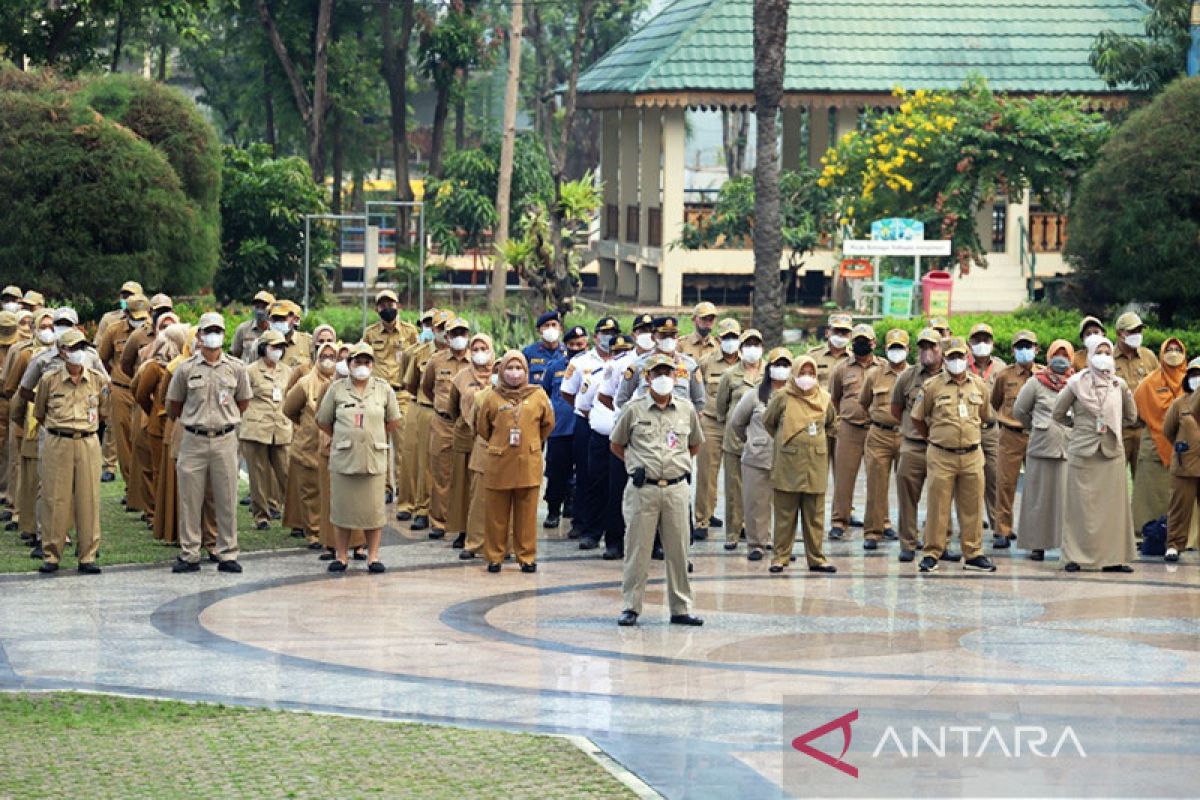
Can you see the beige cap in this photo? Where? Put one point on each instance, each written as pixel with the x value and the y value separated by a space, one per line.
pixel 981 327
pixel 67 313
pixel 841 320
pixel 457 324
pixel 780 354
pixel 11 291
pixel 32 298
pixel 361 349
pixel 386 294
pixel 137 306
pixel 929 335
pixel 210 319
pixel 1194 364
pixel 1083 323
pixel 161 301
pixel 272 336
pixel 441 317
pixel 658 360
pixel 428 315
pixel 1129 321
pixel 954 344
pixel 71 338
pixel 863 331
pixel 280 308
pixel 750 333
pixel 705 309
pixel 131 287
pixel 896 336
pixel 938 323
pixel 1024 336
pixel 263 296
pixel 8 327
pixel 728 326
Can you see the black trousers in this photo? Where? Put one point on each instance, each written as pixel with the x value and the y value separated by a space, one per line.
pixel 595 489
pixel 579 450
pixel 614 528
pixel 560 463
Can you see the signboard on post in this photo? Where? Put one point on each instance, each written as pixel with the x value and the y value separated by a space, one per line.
pixel 896 247
pixel 896 236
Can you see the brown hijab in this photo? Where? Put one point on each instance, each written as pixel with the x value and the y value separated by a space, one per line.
pixel 802 408
pixel 515 394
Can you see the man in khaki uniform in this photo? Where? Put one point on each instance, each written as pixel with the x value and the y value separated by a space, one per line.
pixel 911 467
pixel 829 355
pixel 883 440
pixel 22 454
pixel 657 435
pixel 1013 437
pixel 108 443
pixel 111 346
pixel 32 301
pixel 389 338
pixel 951 412
pixel 940 325
pixel 10 299
pixel 68 409
pixel 700 343
pixel 708 462
pixel 297 348
pixel 986 367
pixel 207 395
pixel 1088 327
pixel 405 480
pixel 245 335
pixel 436 382
pixel 1134 363
pixel 416 436
pixel 742 377
pixel 845 390
pixel 9 339
pixel 130 360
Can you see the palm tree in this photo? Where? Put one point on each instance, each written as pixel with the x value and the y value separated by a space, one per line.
pixel 770 53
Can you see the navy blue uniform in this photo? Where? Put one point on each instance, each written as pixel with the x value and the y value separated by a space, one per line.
pixel 539 357
pixel 560 457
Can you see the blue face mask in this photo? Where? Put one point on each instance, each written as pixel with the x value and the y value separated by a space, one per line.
pixel 604 341
pixel 124 304
pixel 426 335
pixel 282 328
pixel 1060 364
pixel 1023 355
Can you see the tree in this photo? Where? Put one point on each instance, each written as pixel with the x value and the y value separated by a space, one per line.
pixel 770 52
pixel 1135 222
pixel 942 156
pixel 1151 61
pixel 394 67
pixel 104 181
pixel 735 135
pixel 508 136
pixel 448 48
pixel 262 225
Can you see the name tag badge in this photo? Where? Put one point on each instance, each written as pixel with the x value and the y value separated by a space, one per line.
pixel 276 394
pixel 91 416
pixel 962 410
pixel 1100 426
pixel 223 397
pixel 358 420
pixel 514 437
pixel 672 440
pixel 812 429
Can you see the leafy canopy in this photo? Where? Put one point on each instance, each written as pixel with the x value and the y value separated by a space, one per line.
pixel 1146 62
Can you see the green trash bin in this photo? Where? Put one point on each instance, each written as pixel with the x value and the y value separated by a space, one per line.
pixel 897 298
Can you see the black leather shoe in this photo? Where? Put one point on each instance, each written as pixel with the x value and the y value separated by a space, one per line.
pixel 37 552
pixel 829 569
pixel 315 546
pixel 437 533
pixel 1000 543
pixel 11 526
pixel 297 533
pixel 403 516
pixel 229 566
pixel 890 534
pixel 691 566
pixel 376 567
pixel 262 525
pixel 731 545
pixel 493 567
pixel 185 566
pixel 855 523
pixel 90 568
pixel 212 558
pixel 716 522
pixel 459 542
pixel 907 555
pixel 359 554
pixel 328 555
pixel 699 534
pixel 627 618
pixel 5 516
pixel 466 555
pixel 568 511
pixel 928 564
pixel 870 544
pixel 275 514
pixel 1037 555
pixel 337 566
pixel 245 501
pixel 46 568
pixel 755 555
pixel 686 619
pixel 107 477
pixel 656 554
pixel 1117 568
pixel 388 497
pixel 948 556
pixel 776 568
pixel 1072 567
pixel 588 543
pixel 551 522
pixel 530 567
pixel 612 554
pixel 979 564
pixel 419 523
pixel 836 533
pixel 575 531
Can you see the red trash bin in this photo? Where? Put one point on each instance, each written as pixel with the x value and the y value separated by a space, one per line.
pixel 936 288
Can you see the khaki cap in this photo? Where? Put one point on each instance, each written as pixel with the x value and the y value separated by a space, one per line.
pixel 896 336
pixel 929 335
pixel 658 360
pixel 210 319
pixel 938 323
pixel 138 306
pixel 954 344
pixel 705 309
pixel 428 315
pixel 1025 336
pixel 841 320
pixel 11 291
pixel 863 331
pixel 293 308
pixel 1083 323
pixel 386 294
pixel 263 296
pixel 272 336
pixel 32 298
pixel 361 349
pixel 132 287
pixel 728 326
pixel 67 313
pixel 71 337
pixel 1194 364
pixel 981 327
pixel 161 301
pixel 8 327
pixel 441 317
pixel 1129 321
pixel 279 308
pixel 750 333
pixel 780 354
pixel 458 324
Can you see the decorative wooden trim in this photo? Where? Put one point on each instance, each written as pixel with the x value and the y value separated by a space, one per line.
pixel 714 100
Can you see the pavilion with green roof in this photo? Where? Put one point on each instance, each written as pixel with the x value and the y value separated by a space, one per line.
pixel 843 56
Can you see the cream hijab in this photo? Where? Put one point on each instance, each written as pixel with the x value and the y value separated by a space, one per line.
pixel 1099 392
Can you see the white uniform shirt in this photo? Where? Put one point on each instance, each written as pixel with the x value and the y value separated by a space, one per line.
pixel 578 368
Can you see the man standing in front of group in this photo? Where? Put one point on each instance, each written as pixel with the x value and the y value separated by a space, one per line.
pixel 845 391
pixel 207 395
pixel 1014 438
pixel 883 440
pixel 984 365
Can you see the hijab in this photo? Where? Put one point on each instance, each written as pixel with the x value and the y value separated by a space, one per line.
pixel 317 332
pixel 802 408
pixel 1155 394
pixel 170 344
pixel 479 371
pixel 1048 377
pixel 515 394
pixel 1099 392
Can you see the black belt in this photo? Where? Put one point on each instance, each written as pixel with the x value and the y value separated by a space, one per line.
pixel 71 434
pixel 892 428
pixel 958 451
pixel 987 426
pixel 122 385
pixel 209 434
pixel 445 416
pixel 1013 428
pixel 661 482
pixel 864 426
pixel 423 403
pixel 921 442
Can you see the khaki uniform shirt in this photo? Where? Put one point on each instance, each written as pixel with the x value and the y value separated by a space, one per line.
pixel 1133 369
pixel 845 389
pixel 389 347
pixel 1005 389
pixel 111 346
pixel 263 420
pixel 245 340
pixel 1183 425
pixel 712 368
pixel 359 419
pixel 108 319
pixel 698 347
pixel 464 386
pixel 988 376
pixel 734 383
pixel 826 360
pixel 148 397
pixel 210 393
pixel 515 433
pixel 658 439
pixel 906 393
pixel 139 338
pixel 300 406
pixel 955 412
pixel 438 375
pixel 800 464
pixel 63 405
pixel 876 394
pixel 416 359
pixel 297 350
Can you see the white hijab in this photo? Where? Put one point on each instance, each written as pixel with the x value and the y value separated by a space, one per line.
pixel 1099 392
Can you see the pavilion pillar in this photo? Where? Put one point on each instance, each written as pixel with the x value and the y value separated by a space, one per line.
pixel 610 137
pixel 846 120
pixel 650 194
pixel 670 278
pixel 818 134
pixel 627 193
pixel 793 126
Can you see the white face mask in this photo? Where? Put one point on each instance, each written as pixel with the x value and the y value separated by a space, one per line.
pixel 663 385
pixel 897 355
pixel 495 380
pixel 458 343
pixel 514 376
pixel 213 341
pixel 644 341
pixel 729 346
pixel 273 354
pixel 1090 339
pixel 327 365
pixel 751 354
pixel 1193 382
pixel 76 357
pixel 780 373
pixel 806 382
pixel 12 307
pixel 838 342
pixel 1101 362
pixel 667 345
pixel 551 335
pixel 341 369
pixel 1133 340
pixel 481 358
pixel 46 335
pixel 360 372
pixel 982 349
pixel 282 328
pixel 956 366
pixel 59 330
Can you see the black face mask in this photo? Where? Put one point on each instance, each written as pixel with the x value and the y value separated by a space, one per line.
pixel 156 315
pixel 861 347
pixel 388 314
pixel 571 353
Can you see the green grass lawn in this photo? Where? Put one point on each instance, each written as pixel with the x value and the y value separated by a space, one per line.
pixel 125 539
pixel 97 746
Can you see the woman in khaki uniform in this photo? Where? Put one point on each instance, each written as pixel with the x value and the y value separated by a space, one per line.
pixel 26 428
pixel 737 381
pixel 265 432
pixel 758 451
pixel 464 482
pixel 302 508
pixel 150 392
pixel 1153 397
pixel 1182 429
pixel 359 414
pixel 142 456
pixel 800 418
pixel 358 542
pixel 515 419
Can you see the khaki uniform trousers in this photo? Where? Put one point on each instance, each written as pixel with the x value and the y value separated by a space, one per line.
pixel 990 442
pixel 809 510
pixel 108 442
pixel 910 482
pixel 328 532
pixel 121 425
pixel 1131 439
pixel 956 480
pixel 416 456
pixel 708 469
pixel 757 496
pixel 71 488
pixel 441 469
pixel 1185 492
pixel 30 480
pixel 12 464
pixel 735 514
pixel 1008 469
pixel 302 506
pixel 135 499
pixel 8 489
pixel 851 441
pixel 267 466
pixel 143 465
pixel 882 456
pixel 204 465
pixel 401 486
pixel 460 493
pixel 518 506
pixel 650 509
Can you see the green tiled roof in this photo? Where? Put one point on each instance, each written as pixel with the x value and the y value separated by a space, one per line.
pixel 856 45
